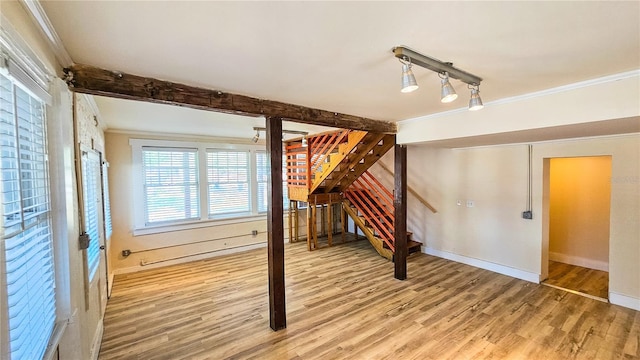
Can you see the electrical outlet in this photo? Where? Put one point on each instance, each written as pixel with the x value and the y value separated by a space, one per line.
pixel 527 215
pixel 254 232
pixel 470 203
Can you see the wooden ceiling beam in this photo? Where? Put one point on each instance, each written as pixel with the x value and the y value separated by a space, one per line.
pixel 95 81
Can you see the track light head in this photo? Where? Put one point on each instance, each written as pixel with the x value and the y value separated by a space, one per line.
pixel 304 141
pixel 409 82
pixel 256 137
pixel 447 93
pixel 475 103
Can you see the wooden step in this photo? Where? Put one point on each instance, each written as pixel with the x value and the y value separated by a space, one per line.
pixel 412 246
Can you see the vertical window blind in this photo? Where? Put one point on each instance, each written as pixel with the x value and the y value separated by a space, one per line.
pixel 90 182
pixel 170 178
pixel 26 228
pixel 228 182
pixel 263 172
pixel 108 226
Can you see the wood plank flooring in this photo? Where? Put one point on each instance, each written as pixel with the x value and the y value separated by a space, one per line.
pixel 577 278
pixel 343 303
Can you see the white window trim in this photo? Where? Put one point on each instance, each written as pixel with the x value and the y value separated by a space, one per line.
pixel 139 224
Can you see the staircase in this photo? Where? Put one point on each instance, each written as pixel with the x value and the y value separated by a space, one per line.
pixel 370 205
pixel 331 161
pixel 333 165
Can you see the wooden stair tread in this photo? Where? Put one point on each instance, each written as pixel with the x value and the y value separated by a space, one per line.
pixel 411 244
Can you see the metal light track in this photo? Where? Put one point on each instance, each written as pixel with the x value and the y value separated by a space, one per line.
pixel 404 53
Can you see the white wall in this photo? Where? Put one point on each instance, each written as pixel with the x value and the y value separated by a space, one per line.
pixel 492 233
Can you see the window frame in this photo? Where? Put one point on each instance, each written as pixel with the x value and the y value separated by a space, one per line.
pixel 42 219
pixel 139 225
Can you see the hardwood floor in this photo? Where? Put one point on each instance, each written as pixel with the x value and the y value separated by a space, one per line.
pixel 343 303
pixel 577 278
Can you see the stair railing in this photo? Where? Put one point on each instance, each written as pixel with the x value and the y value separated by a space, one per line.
pixel 322 146
pixel 297 165
pixel 375 203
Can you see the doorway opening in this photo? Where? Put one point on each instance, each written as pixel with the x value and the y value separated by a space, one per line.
pixel 577 202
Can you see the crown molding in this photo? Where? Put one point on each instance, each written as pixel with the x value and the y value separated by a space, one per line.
pixel 40 18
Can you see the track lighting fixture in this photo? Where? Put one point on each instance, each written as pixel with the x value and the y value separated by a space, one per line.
pixel 409 82
pixel 304 134
pixel 475 103
pixel 445 71
pixel 447 93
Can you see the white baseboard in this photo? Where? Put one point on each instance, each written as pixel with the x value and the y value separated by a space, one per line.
pixel 195 257
pixel 579 261
pixel 111 276
pixel 97 341
pixel 624 300
pixel 500 269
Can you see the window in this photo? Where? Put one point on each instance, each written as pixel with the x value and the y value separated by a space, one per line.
pixel 90 193
pixel 175 182
pixel 108 227
pixel 26 229
pixel 170 184
pixel 262 173
pixel 228 182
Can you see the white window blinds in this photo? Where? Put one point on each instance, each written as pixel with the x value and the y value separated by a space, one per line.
pixel 26 229
pixel 228 182
pixel 170 178
pixel 108 226
pixel 263 172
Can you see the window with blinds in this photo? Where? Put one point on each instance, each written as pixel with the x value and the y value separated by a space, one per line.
pixel 26 228
pixel 90 191
pixel 262 173
pixel 180 183
pixel 228 182
pixel 170 187
pixel 108 226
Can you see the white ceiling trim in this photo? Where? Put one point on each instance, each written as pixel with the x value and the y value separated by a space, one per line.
pixel 39 17
pixel 551 91
pixel 190 137
pixel 542 142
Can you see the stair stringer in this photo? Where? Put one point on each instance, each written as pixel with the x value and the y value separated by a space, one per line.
pixel 375 241
pixel 335 159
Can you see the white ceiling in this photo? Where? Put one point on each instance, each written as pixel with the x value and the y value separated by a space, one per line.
pixel 337 55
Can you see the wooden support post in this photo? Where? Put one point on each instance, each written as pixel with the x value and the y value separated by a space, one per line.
pixel 314 225
pixel 343 222
pixel 309 226
pixel 296 220
pixel 323 220
pixel 400 211
pixel 330 224
pixel 290 212
pixel 275 226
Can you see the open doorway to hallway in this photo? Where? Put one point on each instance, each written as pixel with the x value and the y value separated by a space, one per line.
pixel 578 206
